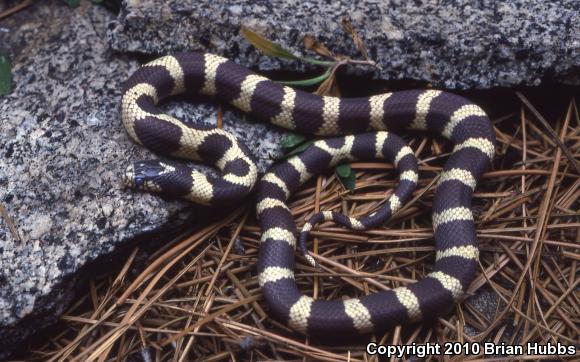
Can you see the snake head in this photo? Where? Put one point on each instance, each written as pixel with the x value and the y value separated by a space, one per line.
pixel 168 178
pixel 145 175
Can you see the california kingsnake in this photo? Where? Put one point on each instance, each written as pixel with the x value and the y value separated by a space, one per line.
pixel 451 116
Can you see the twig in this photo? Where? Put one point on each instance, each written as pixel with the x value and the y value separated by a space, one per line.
pixel 16 8
pixel 8 220
pixel 551 130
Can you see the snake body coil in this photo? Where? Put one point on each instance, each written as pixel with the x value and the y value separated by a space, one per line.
pixel 451 116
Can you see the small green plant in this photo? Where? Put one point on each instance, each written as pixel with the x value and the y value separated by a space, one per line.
pixel 294 143
pixel 346 176
pixel 270 48
pixel 72 3
pixel 5 75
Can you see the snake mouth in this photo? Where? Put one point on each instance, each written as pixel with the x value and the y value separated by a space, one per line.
pixel 129 177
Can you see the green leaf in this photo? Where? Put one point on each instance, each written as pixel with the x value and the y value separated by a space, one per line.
pixel 326 63
pixel 292 140
pixel 346 176
pixel 73 3
pixel 5 75
pixel 307 82
pixel 300 148
pixel 343 170
pixel 266 46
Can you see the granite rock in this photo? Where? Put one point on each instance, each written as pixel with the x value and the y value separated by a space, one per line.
pixel 456 44
pixel 63 150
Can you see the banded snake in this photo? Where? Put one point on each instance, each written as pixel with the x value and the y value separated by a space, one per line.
pixel 453 117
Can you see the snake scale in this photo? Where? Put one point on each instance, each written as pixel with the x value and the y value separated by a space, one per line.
pixel 453 117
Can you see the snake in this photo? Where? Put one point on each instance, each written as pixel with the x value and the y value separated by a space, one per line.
pixel 358 128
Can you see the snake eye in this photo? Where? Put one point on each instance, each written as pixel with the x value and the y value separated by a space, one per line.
pixel 139 181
